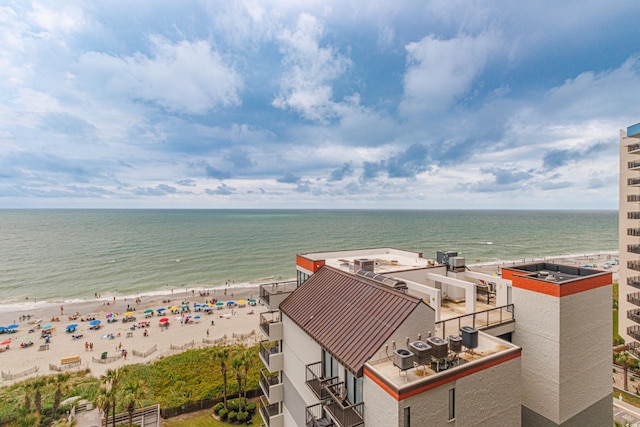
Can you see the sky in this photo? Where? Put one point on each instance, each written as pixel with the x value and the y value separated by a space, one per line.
pixel 442 104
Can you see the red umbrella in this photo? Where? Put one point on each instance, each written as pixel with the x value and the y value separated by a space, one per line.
pixel 164 319
pixel 5 342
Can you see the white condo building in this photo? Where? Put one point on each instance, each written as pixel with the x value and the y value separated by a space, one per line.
pixel 384 337
pixel 629 239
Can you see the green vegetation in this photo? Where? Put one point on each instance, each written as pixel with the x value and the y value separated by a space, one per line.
pixel 171 381
pixel 204 419
pixel 617 339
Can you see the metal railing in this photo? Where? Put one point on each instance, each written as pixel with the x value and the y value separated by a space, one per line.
pixel 341 410
pixel 267 348
pixel 633 198
pixel 634 315
pixel 634 348
pixel 275 288
pixel 633 232
pixel 633 265
pixel 633 147
pixel 477 320
pixel 268 410
pixel 267 318
pixel 315 417
pixel 633 215
pixel 634 298
pixel 316 381
pixel 634 282
pixel 268 379
pixel 634 249
pixel 634 331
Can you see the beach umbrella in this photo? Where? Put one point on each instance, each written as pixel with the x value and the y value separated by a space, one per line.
pixel 230 303
pixel 10 327
pixel 207 308
pixel 129 313
pixel 7 342
pixel 197 305
pixel 164 319
pixel 196 317
pixel 94 322
pixel 47 326
pixel 241 301
pixel 2 329
pixel 161 309
pixel 112 315
pixel 72 326
pixel 185 306
pixel 148 311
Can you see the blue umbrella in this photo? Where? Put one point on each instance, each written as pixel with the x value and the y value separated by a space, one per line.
pixel 161 309
pixel 72 326
pixel 197 305
pixel 2 329
pixel 47 326
pixel 196 317
pixel 94 322
pixel 10 327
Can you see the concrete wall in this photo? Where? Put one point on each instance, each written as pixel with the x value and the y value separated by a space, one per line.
pixel 489 398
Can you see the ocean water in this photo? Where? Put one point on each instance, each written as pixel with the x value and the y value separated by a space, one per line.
pixel 67 255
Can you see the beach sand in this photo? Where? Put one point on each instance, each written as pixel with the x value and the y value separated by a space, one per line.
pixel 238 328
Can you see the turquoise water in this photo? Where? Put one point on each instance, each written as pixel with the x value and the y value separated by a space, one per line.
pixel 73 254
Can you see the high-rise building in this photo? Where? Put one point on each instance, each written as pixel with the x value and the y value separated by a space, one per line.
pixel 629 239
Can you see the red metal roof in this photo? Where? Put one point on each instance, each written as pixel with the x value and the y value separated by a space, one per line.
pixel 349 316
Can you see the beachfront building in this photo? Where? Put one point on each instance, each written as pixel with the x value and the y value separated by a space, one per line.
pixel 336 340
pixel 629 239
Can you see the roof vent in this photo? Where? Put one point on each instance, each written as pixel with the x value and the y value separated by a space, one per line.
pixel 363 264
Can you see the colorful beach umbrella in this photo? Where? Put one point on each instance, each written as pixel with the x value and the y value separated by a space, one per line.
pixel 129 313
pixel 112 315
pixel 185 306
pixel 241 301
pixel 148 311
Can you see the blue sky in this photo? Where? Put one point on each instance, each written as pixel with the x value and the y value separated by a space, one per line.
pixel 316 104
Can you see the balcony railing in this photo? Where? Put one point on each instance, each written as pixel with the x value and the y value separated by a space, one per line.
pixel 633 265
pixel 634 298
pixel 634 348
pixel 633 165
pixel 316 380
pixel 633 147
pixel 272 293
pixel 477 320
pixel 633 232
pixel 633 198
pixel 633 215
pixel 633 181
pixel 634 249
pixel 341 411
pixel 271 325
pixel 634 315
pixel 271 355
pixel 634 282
pixel 268 380
pixel 634 332
pixel 268 410
pixel 315 416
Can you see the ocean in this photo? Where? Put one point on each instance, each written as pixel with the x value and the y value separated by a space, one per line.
pixel 71 255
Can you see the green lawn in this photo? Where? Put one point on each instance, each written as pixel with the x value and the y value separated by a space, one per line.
pixel 203 419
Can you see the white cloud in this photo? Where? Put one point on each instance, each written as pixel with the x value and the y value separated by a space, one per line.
pixel 440 71
pixel 187 77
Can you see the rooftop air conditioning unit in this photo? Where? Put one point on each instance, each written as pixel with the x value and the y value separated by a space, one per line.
pixel 422 350
pixel 363 264
pixel 403 358
pixel 456 262
pixel 469 337
pixel 439 347
pixel 455 343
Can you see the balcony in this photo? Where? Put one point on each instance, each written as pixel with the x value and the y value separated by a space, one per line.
pixel 633 249
pixel 634 315
pixel 315 416
pixel 634 348
pixel 272 294
pixel 634 332
pixel 633 165
pixel 633 198
pixel 634 298
pixel 271 355
pixel 271 325
pixel 634 282
pixel 633 265
pixel 343 413
pixel 633 182
pixel 271 413
pixel 271 386
pixel 316 380
pixel 633 148
pixel 633 232
pixel 633 215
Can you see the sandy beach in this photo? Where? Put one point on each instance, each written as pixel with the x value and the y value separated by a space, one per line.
pixel 217 326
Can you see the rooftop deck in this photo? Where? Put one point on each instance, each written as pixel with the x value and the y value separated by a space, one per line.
pixel 386 260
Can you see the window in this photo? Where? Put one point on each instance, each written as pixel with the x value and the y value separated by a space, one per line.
pixel 452 404
pixel 407 417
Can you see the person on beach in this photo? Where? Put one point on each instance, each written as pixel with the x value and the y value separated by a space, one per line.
pixel 86 346
pixel 61 310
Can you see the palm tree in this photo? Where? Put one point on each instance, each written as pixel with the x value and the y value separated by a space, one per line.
pixel 130 396
pixel 237 364
pixel 247 359
pixel 60 381
pixel 111 380
pixel 103 402
pixel 625 360
pixel 222 355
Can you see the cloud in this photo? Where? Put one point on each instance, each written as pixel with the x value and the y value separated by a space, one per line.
pixel 216 173
pixel 339 174
pixel 158 190
pixel 184 77
pixel 222 190
pixel 289 178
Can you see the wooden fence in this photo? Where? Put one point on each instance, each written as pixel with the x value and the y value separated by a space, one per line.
pixel 146 353
pixel 10 376
pixel 190 344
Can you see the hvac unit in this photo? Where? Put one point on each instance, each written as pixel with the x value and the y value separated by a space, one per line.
pixel 403 359
pixel 455 343
pixel 363 264
pixel 422 350
pixel 443 256
pixel 456 262
pixel 439 347
pixel 469 337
